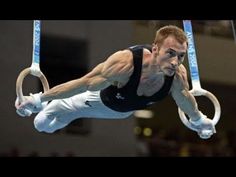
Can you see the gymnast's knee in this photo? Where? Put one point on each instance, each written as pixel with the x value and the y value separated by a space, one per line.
pixel 42 122
pixel 46 124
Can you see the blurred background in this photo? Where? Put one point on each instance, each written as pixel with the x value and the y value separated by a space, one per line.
pixel 70 49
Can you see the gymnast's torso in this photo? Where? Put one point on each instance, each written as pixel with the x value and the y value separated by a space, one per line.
pixel 145 86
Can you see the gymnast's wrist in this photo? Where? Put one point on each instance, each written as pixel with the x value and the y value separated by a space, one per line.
pixel 36 99
pixel 198 120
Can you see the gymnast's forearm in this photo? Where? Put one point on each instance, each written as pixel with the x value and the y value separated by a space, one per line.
pixel 187 103
pixel 65 90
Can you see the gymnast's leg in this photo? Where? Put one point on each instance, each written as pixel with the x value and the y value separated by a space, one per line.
pixel 60 113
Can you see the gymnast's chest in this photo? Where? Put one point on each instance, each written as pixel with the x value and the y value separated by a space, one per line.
pixel 150 84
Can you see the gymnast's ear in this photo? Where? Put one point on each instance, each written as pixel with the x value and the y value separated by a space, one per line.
pixel 155 48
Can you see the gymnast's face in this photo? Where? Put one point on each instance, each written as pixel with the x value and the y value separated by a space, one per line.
pixel 170 55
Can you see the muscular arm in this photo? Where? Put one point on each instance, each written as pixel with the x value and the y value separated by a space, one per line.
pixel 183 98
pixel 115 68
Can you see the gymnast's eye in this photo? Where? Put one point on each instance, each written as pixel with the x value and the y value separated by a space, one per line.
pixel 171 52
pixel 181 55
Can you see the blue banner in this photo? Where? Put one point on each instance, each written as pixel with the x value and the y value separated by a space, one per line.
pixel 36 42
pixel 192 59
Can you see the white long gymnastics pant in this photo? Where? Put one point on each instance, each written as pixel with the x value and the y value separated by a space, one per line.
pixel 59 113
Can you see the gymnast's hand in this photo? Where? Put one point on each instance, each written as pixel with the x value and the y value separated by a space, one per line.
pixel 31 104
pixel 204 126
